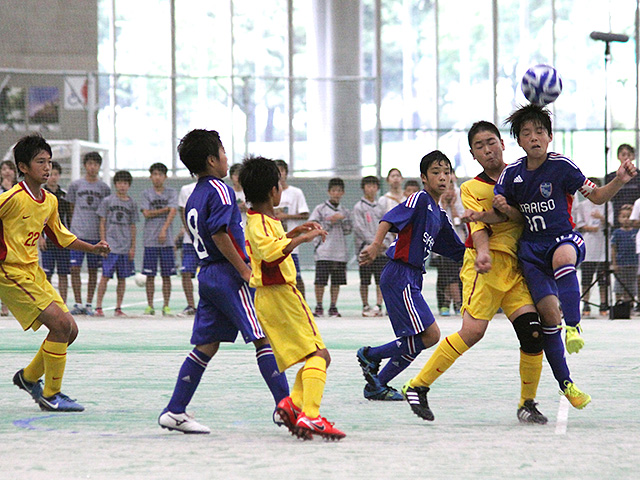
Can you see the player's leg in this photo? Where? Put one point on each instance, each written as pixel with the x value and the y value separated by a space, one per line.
pixel 587 270
pixel 321 281
pixel 551 319
pixel 314 378
pixel 365 280
pixel 338 278
pixel 94 262
pixel 167 269
pixel 299 280
pixel 76 258
pixel 564 261
pixel 108 268
pixel 188 271
pixel 275 380
pixel 150 268
pixel 174 416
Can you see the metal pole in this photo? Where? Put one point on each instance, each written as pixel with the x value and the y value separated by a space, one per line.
pixel 378 82
pixel 494 66
pixel 174 100
pixel 290 85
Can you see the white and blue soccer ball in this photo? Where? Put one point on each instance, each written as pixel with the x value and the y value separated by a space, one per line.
pixel 541 84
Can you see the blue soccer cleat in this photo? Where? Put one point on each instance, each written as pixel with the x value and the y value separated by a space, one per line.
pixel 369 367
pixel 32 388
pixel 59 402
pixel 383 393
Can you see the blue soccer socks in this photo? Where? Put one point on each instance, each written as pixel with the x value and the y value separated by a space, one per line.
pixel 275 380
pixel 554 351
pixel 401 352
pixel 568 293
pixel 188 380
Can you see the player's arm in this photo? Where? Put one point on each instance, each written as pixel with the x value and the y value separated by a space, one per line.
pixel 305 237
pixel 162 236
pixel 155 213
pixel 371 251
pixel 103 229
pixel 225 245
pixel 600 195
pixel 100 248
pixel 305 227
pixel 132 250
pixel 483 255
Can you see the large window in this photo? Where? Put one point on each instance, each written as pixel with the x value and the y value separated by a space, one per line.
pixel 443 66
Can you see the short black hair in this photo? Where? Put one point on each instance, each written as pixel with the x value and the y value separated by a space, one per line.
pixel 336 182
pixel 27 148
pixel 235 168
pixel 258 176
pixel 482 126
pixel 196 146
pixel 626 146
pixel 56 166
pixel 92 156
pixel 283 165
pixel 412 183
pixel 158 167
pixel 122 176
pixel 529 113
pixel 369 179
pixel 431 158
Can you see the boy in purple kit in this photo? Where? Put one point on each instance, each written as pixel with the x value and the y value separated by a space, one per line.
pixel 226 301
pixel 422 227
pixel 540 187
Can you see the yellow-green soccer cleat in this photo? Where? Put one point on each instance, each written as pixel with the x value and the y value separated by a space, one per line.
pixel 573 339
pixel 577 398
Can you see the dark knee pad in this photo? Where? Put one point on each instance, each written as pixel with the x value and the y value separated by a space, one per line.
pixel 529 332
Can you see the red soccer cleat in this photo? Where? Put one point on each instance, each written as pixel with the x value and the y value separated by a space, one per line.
pixel 307 427
pixel 286 414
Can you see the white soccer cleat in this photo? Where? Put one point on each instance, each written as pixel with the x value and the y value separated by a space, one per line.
pixel 181 422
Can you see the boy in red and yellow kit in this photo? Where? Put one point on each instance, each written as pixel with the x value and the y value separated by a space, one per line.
pixel 282 311
pixel 26 212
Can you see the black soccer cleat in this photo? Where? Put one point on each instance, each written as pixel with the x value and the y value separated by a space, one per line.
pixel 417 398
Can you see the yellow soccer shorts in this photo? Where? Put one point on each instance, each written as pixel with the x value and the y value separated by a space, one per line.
pixel 288 323
pixel 25 290
pixel 502 287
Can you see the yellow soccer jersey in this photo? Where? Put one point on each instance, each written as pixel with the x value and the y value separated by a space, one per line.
pixel 477 194
pixel 265 241
pixel 23 219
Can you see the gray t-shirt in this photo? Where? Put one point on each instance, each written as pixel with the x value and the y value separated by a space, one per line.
pixel 86 197
pixel 119 215
pixel 152 200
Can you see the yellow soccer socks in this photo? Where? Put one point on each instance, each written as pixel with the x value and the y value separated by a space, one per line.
pixel 35 369
pixel 447 352
pixel 314 377
pixel 296 390
pixel 55 359
pixel 530 370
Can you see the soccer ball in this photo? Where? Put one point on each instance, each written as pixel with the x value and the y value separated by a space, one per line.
pixel 541 84
pixel 140 279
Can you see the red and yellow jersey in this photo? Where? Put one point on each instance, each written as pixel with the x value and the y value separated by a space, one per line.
pixel 477 194
pixel 23 219
pixel 265 241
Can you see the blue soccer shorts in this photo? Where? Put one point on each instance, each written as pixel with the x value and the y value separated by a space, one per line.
pixel 401 287
pixel 536 262
pixel 189 259
pixel 56 259
pixel 93 261
pixel 150 261
pixel 118 263
pixel 225 307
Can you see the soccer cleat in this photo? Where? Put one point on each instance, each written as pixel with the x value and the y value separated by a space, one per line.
pixel 333 312
pixel 307 427
pixel 32 388
pixel 59 402
pixel 78 310
pixel 444 312
pixel 188 312
pixel 98 312
pixel 417 398
pixel 369 367
pixel 577 398
pixel 384 393
pixel 378 310
pixel 573 339
pixel 367 311
pixel 166 312
pixel 286 414
pixel 319 311
pixel 181 422
pixel 88 310
pixel 528 413
pixel 119 313
pixel 149 311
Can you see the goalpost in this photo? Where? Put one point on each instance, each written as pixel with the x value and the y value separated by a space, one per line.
pixel 69 153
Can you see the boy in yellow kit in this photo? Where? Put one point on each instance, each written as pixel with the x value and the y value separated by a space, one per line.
pixel 282 311
pixel 26 212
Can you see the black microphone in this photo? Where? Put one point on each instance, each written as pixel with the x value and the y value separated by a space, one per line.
pixel 609 37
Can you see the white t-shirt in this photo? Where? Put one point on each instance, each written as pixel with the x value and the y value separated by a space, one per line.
pixel 185 193
pixel 583 216
pixel 388 201
pixel 293 202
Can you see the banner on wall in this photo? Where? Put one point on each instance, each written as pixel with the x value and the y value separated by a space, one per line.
pixel 75 93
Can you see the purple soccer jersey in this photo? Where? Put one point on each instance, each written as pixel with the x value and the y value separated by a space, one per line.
pixel 422 227
pixel 544 196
